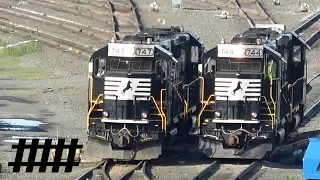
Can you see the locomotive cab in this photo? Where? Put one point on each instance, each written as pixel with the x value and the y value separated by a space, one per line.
pixel 254 96
pixel 136 98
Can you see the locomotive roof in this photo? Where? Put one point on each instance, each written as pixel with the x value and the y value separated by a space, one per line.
pixel 250 36
pixel 155 33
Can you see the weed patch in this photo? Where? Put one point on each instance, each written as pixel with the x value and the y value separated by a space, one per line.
pixel 10 63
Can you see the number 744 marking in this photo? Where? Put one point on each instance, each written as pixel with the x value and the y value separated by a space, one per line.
pixel 253 52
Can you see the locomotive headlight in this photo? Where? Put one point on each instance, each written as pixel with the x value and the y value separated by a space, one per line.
pixel 105 114
pixel 254 115
pixel 217 114
pixel 144 115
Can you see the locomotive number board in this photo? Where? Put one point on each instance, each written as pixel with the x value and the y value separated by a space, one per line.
pixel 240 51
pixel 130 50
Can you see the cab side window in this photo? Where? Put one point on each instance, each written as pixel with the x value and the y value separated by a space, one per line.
pixel 100 64
pixel 297 54
pixel 194 54
pixel 161 69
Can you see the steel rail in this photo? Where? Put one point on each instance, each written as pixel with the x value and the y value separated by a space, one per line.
pixel 138 167
pixel 307 24
pixel 206 171
pixel 289 147
pixel 61 23
pixel 115 19
pixel 312 110
pixel 249 171
pixel 250 20
pixel 89 174
pixel 244 13
pixel 49 39
pixel 314 77
pixel 136 15
pixel 264 12
pixel 311 41
pixel 103 166
pixel 300 140
pixel 66 9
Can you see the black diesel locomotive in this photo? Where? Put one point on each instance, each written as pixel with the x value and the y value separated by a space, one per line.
pixel 254 93
pixel 137 99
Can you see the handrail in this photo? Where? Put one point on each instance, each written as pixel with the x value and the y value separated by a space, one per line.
pixel 184 102
pixel 274 104
pixel 202 86
pixel 203 107
pixel 91 90
pixel 272 115
pixel 159 111
pixel 292 88
pixel 161 108
pixel 177 84
pixel 91 109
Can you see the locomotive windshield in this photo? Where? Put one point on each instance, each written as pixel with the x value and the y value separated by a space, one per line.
pixel 240 65
pixel 131 64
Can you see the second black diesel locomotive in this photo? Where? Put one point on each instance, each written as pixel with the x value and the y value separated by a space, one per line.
pixel 137 99
pixel 254 93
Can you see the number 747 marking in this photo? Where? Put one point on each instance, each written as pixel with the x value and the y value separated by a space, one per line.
pixel 144 51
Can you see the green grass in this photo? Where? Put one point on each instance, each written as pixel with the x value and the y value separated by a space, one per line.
pixel 23 93
pixel 10 63
pixel 292 178
pixel 21 50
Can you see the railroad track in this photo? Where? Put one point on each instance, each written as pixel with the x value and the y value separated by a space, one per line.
pixel 104 170
pixel 310 30
pixel 78 26
pixel 207 5
pixel 125 17
pixel 219 170
pixel 254 12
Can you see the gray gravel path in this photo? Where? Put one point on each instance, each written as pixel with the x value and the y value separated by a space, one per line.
pixel 64 15
pixel 61 33
pixel 206 25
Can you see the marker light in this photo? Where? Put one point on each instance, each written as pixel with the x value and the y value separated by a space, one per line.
pixel 254 115
pixel 113 39
pixel 144 115
pixel 217 114
pixel 105 114
pixel 223 41
pixel 258 41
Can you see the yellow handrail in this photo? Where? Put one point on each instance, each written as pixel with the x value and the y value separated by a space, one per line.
pixel 201 95
pixel 184 102
pixel 274 104
pixel 203 107
pixel 90 110
pixel 161 108
pixel 91 91
pixel 272 117
pixel 159 111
